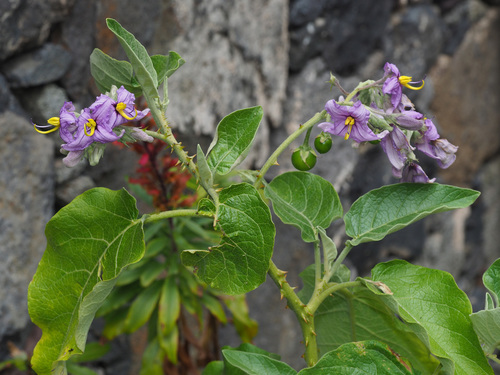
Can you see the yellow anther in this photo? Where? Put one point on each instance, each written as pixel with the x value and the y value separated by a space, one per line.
pixel 405 81
pixel 349 121
pixel 53 121
pixel 120 109
pixel 91 124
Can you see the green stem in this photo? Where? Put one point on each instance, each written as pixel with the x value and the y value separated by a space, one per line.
pixel 274 157
pixel 317 265
pixel 167 135
pixel 328 275
pixel 151 218
pixel 304 316
pixel 325 290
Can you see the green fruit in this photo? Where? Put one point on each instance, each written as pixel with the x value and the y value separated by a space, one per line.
pixel 323 143
pixel 303 159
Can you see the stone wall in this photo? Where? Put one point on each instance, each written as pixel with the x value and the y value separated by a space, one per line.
pixel 274 53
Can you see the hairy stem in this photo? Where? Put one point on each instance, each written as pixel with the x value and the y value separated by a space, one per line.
pixel 151 218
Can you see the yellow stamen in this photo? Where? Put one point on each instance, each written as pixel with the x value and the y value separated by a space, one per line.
pixel 120 109
pixel 405 81
pixel 349 121
pixel 92 125
pixel 54 121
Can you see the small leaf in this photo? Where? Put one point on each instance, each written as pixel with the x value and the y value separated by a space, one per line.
pixel 169 307
pixel 234 136
pixel 245 326
pixel 143 307
pixel 206 177
pixel 165 66
pixel 93 351
pixel 145 72
pixel 152 359
pixel 118 297
pixel 365 357
pixel 169 342
pixel 108 71
pixel 437 311
pixel 393 207
pixel 487 327
pixel 151 272
pixel 329 248
pixel 256 364
pixel 74 369
pixel 213 305
pixel 241 260
pixel 89 242
pixel 305 201
pixel 491 280
pixel 214 368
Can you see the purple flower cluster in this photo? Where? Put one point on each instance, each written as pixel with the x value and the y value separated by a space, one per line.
pixel 379 111
pixel 86 133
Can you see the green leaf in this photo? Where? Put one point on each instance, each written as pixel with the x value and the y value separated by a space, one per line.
pixel 234 136
pixel 487 327
pixel 367 357
pixel 305 201
pixel 206 176
pixel 240 262
pixel 151 272
pixel 393 207
pixel 357 314
pixel 74 369
pixel 329 248
pixel 487 322
pixel 89 242
pixel 142 307
pixel 165 66
pixel 437 311
pixel 145 72
pixel 170 306
pixel 245 326
pixel 108 71
pixel 152 359
pixel 214 368
pixel 93 351
pixel 256 364
pixel 214 306
pixel 491 280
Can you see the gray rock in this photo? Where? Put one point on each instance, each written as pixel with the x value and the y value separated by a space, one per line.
pixel 72 188
pixel 26 204
pixel 44 102
pixel 343 32
pixel 43 65
pixel 227 66
pixel 8 101
pixel 26 23
pixel 415 40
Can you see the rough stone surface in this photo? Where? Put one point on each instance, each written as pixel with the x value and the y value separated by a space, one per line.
pixel 467 97
pixel 226 67
pixel 8 101
pixel 339 31
pixel 26 23
pixel 44 102
pixel 43 65
pixel 26 204
pixel 71 189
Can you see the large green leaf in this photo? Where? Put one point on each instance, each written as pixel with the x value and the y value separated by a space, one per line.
pixel 357 314
pixel 393 207
pixel 358 358
pixel 234 136
pixel 437 311
pixel 89 242
pixel 108 71
pixel 304 200
pixel 145 72
pixel 241 260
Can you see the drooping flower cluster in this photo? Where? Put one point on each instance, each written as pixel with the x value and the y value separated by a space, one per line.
pixel 86 133
pixel 379 111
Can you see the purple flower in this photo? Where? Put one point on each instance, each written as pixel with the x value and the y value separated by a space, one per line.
pixel 91 129
pixel 116 112
pixel 396 146
pixel 414 173
pixel 393 84
pixel 349 122
pixel 411 120
pixel 435 147
pixel 65 123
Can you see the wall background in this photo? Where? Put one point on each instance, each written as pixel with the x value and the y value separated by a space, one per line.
pixel 274 53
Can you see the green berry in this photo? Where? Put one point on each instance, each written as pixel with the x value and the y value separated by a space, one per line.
pixel 303 158
pixel 323 143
